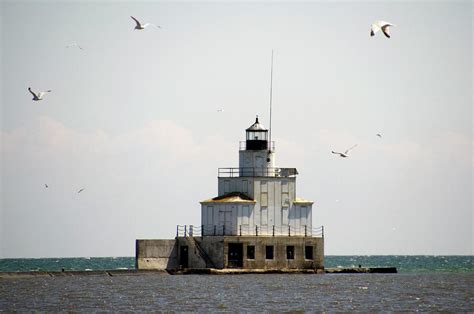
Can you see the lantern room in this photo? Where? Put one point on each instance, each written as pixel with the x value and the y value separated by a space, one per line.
pixel 256 137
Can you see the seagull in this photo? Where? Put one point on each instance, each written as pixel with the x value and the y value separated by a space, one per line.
pixel 46 186
pixel 80 190
pixel 73 45
pixel 381 25
pixel 220 110
pixel 141 26
pixel 379 135
pixel 345 154
pixel 38 96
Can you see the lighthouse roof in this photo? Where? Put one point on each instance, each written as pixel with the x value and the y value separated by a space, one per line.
pixel 257 126
pixel 233 197
pixel 299 200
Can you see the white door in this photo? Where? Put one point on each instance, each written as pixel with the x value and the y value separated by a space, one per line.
pixel 225 222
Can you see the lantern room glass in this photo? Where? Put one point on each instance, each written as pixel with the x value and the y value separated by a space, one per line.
pixel 257 135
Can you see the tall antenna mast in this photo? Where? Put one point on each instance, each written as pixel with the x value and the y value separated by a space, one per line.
pixel 271 94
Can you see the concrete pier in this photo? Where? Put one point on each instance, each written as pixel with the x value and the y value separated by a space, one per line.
pixel 362 270
pixel 196 271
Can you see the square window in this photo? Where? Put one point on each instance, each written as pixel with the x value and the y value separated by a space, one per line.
pixel 269 252
pixel 308 252
pixel 290 252
pixel 250 251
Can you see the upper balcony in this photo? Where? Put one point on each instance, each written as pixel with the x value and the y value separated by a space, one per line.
pixel 256 172
pixel 243 145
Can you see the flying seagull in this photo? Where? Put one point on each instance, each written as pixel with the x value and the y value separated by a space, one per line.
pixel 46 186
pixel 38 96
pixel 381 25
pixel 80 190
pixel 379 135
pixel 73 45
pixel 345 154
pixel 141 26
pixel 220 110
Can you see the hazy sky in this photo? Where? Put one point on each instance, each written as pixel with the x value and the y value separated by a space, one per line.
pixel 133 119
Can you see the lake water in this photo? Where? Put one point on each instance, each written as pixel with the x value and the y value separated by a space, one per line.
pixel 423 284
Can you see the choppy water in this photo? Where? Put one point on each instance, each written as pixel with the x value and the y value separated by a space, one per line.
pixel 411 264
pixel 424 283
pixel 255 293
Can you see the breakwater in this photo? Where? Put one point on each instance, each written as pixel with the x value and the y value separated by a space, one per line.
pixel 196 271
pixel 403 263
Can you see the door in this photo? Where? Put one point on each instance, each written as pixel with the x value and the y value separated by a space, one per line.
pixel 183 256
pixel 225 222
pixel 228 222
pixel 235 255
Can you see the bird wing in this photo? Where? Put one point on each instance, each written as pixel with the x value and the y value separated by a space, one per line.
pixel 385 30
pixel 150 24
pixel 34 95
pixel 73 44
pixel 374 29
pixel 337 153
pixel 40 95
pixel 136 21
pixel 347 151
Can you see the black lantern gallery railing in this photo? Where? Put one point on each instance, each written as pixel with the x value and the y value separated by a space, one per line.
pixel 256 172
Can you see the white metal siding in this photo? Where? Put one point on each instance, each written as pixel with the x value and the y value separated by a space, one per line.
pixel 264 216
pixel 304 214
pixel 284 216
pixel 245 215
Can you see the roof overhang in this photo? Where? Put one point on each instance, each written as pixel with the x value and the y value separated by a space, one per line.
pixel 233 197
pixel 302 201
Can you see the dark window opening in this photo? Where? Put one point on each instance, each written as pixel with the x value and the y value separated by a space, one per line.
pixel 269 252
pixel 183 256
pixel 308 252
pixel 290 252
pixel 250 252
pixel 236 253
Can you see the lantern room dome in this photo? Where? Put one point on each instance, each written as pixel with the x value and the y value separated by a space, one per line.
pixel 257 126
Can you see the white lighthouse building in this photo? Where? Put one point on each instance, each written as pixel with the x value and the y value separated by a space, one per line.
pixel 256 222
pixel 256 197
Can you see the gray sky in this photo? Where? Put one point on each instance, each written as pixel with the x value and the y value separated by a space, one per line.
pixel 132 118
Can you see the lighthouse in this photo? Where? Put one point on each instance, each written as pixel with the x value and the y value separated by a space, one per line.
pixel 257 197
pixel 256 221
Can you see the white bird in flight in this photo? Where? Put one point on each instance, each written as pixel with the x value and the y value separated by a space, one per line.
pixel 379 135
pixel 141 26
pixel 344 154
pixel 381 25
pixel 73 45
pixel 80 190
pixel 220 110
pixel 38 96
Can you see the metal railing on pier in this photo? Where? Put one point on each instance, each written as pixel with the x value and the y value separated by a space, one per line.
pixel 245 230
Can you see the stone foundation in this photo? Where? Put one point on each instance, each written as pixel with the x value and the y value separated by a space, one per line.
pixel 218 252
